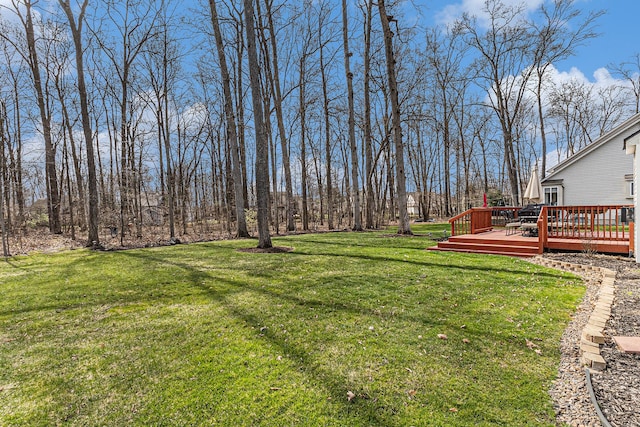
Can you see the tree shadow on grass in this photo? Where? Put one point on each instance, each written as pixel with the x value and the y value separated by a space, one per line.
pixel 432 263
pixel 222 289
pixel 336 385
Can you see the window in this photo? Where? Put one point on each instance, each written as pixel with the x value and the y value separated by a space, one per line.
pixel 551 196
pixel 631 186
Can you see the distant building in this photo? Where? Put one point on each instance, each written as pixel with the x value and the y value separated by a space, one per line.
pixel 413 204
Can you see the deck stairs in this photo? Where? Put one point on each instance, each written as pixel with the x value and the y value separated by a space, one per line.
pixel 492 242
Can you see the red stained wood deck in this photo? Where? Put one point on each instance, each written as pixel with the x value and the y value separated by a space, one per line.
pixel 498 242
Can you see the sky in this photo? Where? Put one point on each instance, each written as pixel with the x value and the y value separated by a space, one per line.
pixel 617 43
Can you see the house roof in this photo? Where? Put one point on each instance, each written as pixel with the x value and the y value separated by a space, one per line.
pixel 607 137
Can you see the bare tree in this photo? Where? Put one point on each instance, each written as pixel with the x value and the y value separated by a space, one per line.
pixel 15 72
pixel 239 93
pixel 306 36
pixel 60 73
pixel 357 221
pixel 630 71
pixel 504 65
pixel 444 55
pixel 403 225
pixel 573 116
pixel 262 149
pixel 326 115
pixel 3 183
pixel 31 57
pixel 273 71
pixel 367 137
pixel 556 40
pixel 231 125
pixel 165 131
pixel 134 24
pixel 76 32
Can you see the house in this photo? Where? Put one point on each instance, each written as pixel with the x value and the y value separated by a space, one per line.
pixel 631 143
pixel 413 204
pixel 599 174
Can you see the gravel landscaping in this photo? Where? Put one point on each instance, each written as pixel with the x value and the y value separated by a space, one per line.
pixel 617 389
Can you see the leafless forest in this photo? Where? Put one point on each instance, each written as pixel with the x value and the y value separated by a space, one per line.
pixel 164 120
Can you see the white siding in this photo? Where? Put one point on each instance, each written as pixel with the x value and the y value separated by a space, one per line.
pixel 596 174
pixel 598 178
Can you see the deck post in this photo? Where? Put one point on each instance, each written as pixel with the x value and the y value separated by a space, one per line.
pixel 543 229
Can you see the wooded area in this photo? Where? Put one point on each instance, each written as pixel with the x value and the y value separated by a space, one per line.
pixel 121 119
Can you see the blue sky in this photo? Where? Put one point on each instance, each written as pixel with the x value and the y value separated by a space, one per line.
pixel 618 27
pixel 619 39
pixel 617 43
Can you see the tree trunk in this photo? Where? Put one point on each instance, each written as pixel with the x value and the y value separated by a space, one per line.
pixel 403 224
pixel 240 109
pixel 319 181
pixel 327 135
pixel 65 156
pixel 275 195
pixel 170 179
pixel 277 94
pixel 53 193
pixel 3 143
pixel 355 191
pixel 17 161
pixel 543 133
pixel 303 149
pixel 369 205
pixel 76 162
pixel 262 149
pixel 231 126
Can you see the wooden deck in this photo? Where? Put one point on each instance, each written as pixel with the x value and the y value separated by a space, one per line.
pixel 498 242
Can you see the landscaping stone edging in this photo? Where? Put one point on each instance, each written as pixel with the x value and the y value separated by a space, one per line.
pixel 593 332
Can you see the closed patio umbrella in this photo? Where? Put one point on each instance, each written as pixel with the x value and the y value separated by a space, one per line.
pixel 533 192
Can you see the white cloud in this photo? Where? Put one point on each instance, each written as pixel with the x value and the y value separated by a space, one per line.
pixel 454 11
pixel 602 78
pixel 8 12
pixel 194 116
pixel 555 156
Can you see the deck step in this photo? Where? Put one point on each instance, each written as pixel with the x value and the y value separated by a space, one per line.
pixel 504 252
pixel 489 248
pixel 489 241
pixel 486 248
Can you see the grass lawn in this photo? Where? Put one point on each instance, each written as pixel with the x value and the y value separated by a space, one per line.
pixel 342 331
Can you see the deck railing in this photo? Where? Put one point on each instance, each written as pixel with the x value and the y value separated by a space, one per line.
pixel 479 220
pixel 589 223
pixel 461 224
pixel 605 222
